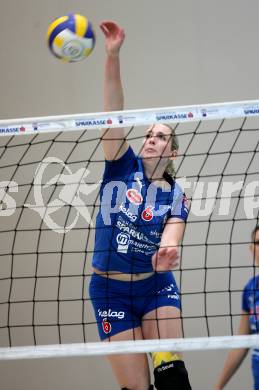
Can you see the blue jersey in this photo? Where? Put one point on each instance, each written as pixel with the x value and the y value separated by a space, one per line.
pixel 250 304
pixel 132 215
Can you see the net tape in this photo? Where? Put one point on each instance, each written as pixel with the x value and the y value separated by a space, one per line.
pixel 129 118
pixel 123 347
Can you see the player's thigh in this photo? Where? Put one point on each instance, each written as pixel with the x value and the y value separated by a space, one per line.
pixel 131 370
pixel 163 322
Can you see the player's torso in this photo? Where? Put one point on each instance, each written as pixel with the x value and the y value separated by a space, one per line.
pixel 136 210
pixel 253 304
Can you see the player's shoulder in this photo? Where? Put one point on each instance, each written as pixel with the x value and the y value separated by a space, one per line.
pixel 122 167
pixel 128 154
pixel 252 284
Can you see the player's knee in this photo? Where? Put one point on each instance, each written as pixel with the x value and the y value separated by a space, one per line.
pixel 172 375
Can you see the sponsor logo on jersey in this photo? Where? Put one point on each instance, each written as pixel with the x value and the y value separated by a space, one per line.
pixel 106 326
pixel 123 238
pixel 147 214
pixel 134 196
pixel 131 230
pixel 125 211
pixel 155 233
pixel 123 242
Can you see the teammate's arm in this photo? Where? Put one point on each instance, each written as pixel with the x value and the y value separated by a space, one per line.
pixel 113 140
pixel 235 357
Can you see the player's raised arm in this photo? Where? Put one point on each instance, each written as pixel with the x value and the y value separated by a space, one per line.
pixel 113 139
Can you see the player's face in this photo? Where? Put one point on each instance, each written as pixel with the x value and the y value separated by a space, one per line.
pixel 158 143
pixel 254 247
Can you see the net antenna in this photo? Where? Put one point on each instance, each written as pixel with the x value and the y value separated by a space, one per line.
pixel 51 169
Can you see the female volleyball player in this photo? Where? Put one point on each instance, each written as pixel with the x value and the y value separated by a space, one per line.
pixel 138 232
pixel 249 323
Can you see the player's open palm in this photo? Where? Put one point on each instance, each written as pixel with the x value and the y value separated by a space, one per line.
pixel 114 36
pixel 165 259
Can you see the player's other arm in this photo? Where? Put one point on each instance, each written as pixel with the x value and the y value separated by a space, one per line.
pixel 167 256
pixel 113 140
pixel 235 357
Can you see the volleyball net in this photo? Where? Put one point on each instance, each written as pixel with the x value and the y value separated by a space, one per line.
pixel 50 174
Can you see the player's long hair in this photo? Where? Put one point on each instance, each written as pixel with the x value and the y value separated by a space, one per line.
pixel 254 233
pixel 170 168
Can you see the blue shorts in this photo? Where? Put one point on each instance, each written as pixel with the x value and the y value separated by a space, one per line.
pixel 120 306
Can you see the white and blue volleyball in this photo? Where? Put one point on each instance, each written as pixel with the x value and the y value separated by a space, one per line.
pixel 71 38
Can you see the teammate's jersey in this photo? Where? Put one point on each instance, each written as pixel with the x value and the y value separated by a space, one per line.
pixel 250 304
pixel 132 215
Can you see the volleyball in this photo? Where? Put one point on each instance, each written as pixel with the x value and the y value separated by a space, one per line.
pixel 71 38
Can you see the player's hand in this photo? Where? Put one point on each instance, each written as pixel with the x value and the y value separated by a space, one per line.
pixel 165 259
pixel 114 37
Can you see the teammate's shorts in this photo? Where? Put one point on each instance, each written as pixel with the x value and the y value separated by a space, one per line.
pixel 120 305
